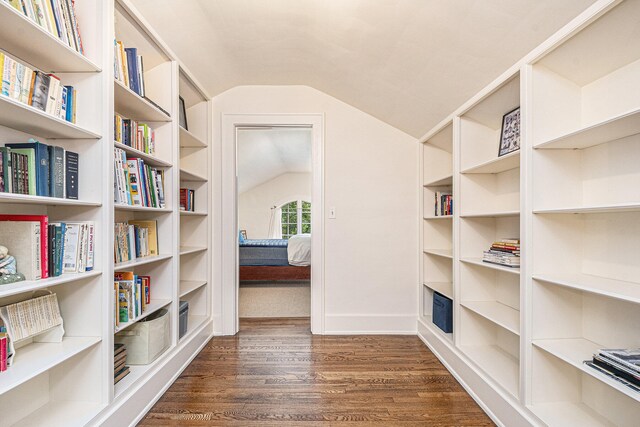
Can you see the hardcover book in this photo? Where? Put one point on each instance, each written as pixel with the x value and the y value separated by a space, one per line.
pixel 22 239
pixel 71 175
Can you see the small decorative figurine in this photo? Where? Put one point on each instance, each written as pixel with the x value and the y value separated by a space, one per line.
pixel 8 268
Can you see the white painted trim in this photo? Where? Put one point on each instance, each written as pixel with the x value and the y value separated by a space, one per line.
pixel 229 215
pixel 370 324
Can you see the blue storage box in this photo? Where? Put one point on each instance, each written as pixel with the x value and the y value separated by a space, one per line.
pixel 443 312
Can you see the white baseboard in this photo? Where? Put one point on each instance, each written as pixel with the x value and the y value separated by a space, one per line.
pixel 373 324
pixel 503 409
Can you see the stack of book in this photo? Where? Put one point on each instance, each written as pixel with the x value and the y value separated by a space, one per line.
pixel 135 183
pixel 443 204
pixel 134 134
pixel 133 294
pixel 129 68
pixel 58 17
pixel 37 89
pixel 623 365
pixel 187 200
pixel 42 249
pixel 120 370
pixel 135 239
pixel 505 252
pixel 36 169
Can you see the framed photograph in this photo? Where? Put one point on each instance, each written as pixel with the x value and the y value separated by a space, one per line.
pixel 510 135
pixel 244 234
pixel 183 114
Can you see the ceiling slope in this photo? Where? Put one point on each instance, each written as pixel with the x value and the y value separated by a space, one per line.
pixel 407 62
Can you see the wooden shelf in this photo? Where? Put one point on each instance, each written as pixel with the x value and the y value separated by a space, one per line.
pixel 498 364
pixel 191 177
pixel 40 200
pixel 491 214
pixel 497 165
pixel 186 250
pixel 565 414
pixel 32 285
pixel 608 130
pixel 445 253
pixel 31 43
pixel 188 286
pixel 141 261
pixel 133 106
pixel 28 119
pixel 148 158
pixel 500 314
pixel 156 304
pixel 36 358
pixel 478 261
pixel 574 351
pixel 121 207
pixel 626 291
pixel 445 288
pixel 618 207
pixel 190 213
pixel 189 140
pixel 62 413
pixel 445 181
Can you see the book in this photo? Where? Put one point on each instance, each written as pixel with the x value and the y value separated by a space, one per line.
pixel 71 248
pixel 152 227
pixel 121 374
pixel 132 64
pixel 3 351
pixel 22 239
pixel 56 171
pixel 71 174
pixel 629 357
pixel 41 91
pixel 27 169
pixel 41 169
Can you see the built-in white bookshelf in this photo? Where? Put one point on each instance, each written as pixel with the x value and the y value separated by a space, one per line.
pixel 572 196
pixel 437 229
pixel 71 383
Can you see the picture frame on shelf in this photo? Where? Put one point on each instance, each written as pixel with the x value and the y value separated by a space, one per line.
pixel 243 233
pixel 183 114
pixel 510 132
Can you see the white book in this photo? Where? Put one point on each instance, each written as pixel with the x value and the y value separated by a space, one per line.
pixel 90 247
pixel 22 239
pixel 54 91
pixel 71 248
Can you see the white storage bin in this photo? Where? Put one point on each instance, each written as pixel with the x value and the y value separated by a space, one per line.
pixel 147 339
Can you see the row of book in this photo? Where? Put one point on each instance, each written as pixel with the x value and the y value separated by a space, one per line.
pixel 36 169
pixel 187 200
pixel 120 369
pixel 134 134
pixel 135 239
pixel 32 316
pixel 132 295
pixel 505 252
pixel 38 89
pixel 443 204
pixel 58 17
pixel 129 67
pixel 135 183
pixel 42 249
pixel 623 365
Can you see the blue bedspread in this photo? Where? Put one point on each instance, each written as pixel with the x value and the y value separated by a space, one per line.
pixel 265 243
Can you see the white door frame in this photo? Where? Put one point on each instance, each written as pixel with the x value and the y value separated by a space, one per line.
pixel 229 214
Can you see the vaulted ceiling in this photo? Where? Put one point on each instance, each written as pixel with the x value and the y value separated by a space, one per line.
pixel 407 62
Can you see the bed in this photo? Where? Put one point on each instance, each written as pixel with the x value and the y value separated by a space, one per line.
pixel 275 259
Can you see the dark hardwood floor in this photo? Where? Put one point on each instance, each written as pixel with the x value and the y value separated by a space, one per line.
pixel 275 373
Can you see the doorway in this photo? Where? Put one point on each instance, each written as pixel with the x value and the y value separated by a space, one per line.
pixel 253 159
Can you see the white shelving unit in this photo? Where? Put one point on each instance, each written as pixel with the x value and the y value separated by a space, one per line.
pixel 572 196
pixel 71 383
pixel 437 230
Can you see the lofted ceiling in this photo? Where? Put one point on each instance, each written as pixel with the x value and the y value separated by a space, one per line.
pixel 265 153
pixel 407 62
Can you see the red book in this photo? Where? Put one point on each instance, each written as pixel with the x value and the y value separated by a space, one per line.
pixel 3 353
pixel 146 284
pixel 44 237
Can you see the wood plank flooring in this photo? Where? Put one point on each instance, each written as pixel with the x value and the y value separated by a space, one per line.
pixel 275 373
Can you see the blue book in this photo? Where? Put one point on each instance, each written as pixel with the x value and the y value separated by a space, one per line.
pixel 42 164
pixel 132 64
pixel 70 99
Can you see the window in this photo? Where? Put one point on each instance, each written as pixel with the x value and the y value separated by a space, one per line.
pixel 296 218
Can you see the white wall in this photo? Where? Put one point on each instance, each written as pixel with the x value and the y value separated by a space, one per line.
pixel 371 266
pixel 254 205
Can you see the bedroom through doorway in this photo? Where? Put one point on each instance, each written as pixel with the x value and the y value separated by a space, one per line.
pixel 274 217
